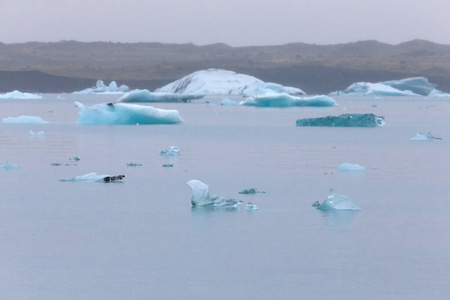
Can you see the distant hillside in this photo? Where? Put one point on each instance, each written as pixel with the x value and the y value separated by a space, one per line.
pixel 69 65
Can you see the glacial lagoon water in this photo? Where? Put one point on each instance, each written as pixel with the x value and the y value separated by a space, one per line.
pixel 141 238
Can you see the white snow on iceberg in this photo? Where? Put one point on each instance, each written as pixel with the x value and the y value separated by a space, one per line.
pixel 271 99
pixel 336 202
pixel 147 96
pixel 25 120
pixel 125 113
pixel 202 197
pixel 101 88
pixel 223 82
pixel 19 95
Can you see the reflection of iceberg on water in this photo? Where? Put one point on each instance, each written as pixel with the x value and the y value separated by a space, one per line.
pixel 345 120
pixel 94 177
pixel 424 137
pixel 202 197
pixel 125 113
pixel 348 167
pixel 336 202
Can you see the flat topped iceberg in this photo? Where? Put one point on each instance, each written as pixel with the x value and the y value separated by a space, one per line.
pixel 223 82
pixel 101 88
pixel 415 86
pixel 147 96
pixel 272 99
pixel 345 120
pixel 19 95
pixel 125 113
pixel 25 120
pixel 202 197
pixel 336 202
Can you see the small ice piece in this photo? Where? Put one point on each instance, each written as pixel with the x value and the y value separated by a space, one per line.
pixel 345 120
pixel 228 102
pixel 202 197
pixel 9 165
pixel 251 206
pixel 94 177
pixel 39 133
pixel 249 191
pixel 133 165
pixel 147 96
pixel 25 120
pixel 167 165
pixel 170 151
pixel 336 202
pixel 348 167
pixel 424 137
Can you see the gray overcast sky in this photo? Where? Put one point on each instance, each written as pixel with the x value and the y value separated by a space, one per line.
pixel 234 22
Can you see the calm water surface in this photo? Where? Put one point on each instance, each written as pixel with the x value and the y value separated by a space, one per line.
pixel 141 239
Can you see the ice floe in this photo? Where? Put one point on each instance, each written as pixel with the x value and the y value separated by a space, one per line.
pixel 336 201
pixel 272 99
pixel 147 96
pixel 170 151
pixel 126 113
pixel 8 165
pixel 349 167
pixel 424 137
pixel 224 82
pixel 94 177
pixel 25 120
pixel 19 95
pixel 345 120
pixel 202 197
pixel 101 88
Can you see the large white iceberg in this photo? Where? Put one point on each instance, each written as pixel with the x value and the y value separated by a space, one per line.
pixel 19 95
pixel 25 120
pixel 224 82
pixel 125 113
pixel 147 96
pixel 100 87
pixel 272 99
pixel 415 86
pixel 336 202
pixel 202 197
pixel 344 120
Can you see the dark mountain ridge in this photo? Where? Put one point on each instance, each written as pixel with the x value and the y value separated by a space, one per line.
pixel 69 65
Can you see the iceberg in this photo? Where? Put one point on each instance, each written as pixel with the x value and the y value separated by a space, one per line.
pixel 38 133
pixel 170 151
pixel 94 177
pixel 202 197
pixel 345 120
pixel 415 86
pixel 336 202
pixel 100 87
pixel 147 96
pixel 25 120
pixel 251 206
pixel 125 113
pixel 224 82
pixel 19 95
pixel 348 167
pixel 228 102
pixel 272 99
pixel 424 137
pixel 9 165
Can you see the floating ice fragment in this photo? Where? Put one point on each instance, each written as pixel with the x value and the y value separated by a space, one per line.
pixel 348 167
pixel 424 137
pixel 39 133
pixel 9 165
pixel 272 99
pixel 25 120
pixel 345 120
pixel 167 165
pixel 19 95
pixel 147 96
pixel 202 197
pixel 94 177
pixel 170 151
pixel 228 102
pixel 125 113
pixel 251 206
pixel 133 164
pixel 250 191
pixel 336 202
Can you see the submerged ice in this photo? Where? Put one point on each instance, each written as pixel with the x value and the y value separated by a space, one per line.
pixel 345 120
pixel 202 197
pixel 125 113
pixel 336 201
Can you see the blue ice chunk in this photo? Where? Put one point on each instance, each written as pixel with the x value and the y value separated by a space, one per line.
pixel 345 120
pixel 170 151
pixel 25 120
pixel 348 167
pixel 202 197
pixel 272 99
pixel 336 202
pixel 125 113
pixel 424 137
pixel 251 206
pixel 9 165
pixel 147 96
